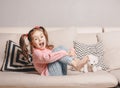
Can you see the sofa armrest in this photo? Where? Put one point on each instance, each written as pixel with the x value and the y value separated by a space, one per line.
pixel 116 73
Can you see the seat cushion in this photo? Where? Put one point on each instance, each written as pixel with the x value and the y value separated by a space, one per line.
pixel 100 79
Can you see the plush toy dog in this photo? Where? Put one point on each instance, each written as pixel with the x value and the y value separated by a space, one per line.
pixel 90 66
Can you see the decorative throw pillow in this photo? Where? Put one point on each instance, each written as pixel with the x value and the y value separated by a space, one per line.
pixel 86 49
pixel 14 59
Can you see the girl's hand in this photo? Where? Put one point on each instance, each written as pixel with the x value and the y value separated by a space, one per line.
pixel 72 52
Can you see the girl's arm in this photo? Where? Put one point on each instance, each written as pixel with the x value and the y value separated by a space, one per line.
pixel 40 57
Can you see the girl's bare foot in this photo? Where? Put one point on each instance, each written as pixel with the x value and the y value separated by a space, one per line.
pixel 74 64
pixel 78 64
pixel 83 62
pixel 85 59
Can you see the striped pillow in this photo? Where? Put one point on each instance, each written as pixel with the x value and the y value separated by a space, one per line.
pixel 86 49
pixel 14 59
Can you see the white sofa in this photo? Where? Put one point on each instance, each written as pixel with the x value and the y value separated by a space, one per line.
pixel 59 36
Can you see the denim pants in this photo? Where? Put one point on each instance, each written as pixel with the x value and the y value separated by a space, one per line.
pixel 59 67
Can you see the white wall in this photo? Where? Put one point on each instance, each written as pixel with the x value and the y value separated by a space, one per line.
pixel 59 13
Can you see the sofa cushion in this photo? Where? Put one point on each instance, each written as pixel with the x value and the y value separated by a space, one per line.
pixel 64 36
pixel 111 43
pixel 87 38
pixel 33 80
pixel 87 34
pixel 15 60
pixel 89 30
pixel 111 29
pixel 83 49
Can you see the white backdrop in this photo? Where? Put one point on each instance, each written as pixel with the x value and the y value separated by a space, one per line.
pixel 57 13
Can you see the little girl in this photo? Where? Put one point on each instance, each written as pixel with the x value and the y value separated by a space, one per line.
pixel 48 60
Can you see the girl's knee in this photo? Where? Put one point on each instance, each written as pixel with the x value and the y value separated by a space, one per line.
pixel 60 48
pixel 63 48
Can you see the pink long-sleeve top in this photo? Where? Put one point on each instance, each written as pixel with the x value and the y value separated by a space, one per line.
pixel 41 58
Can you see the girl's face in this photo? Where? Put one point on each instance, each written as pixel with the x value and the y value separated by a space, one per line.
pixel 39 40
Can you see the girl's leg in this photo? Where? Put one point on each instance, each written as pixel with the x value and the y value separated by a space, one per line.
pixel 76 63
pixel 64 68
pixel 57 69
pixel 65 59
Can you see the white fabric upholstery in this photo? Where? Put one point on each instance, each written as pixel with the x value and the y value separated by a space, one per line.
pixel 111 29
pixel 14 29
pixel 87 35
pixel 89 29
pixel 116 73
pixel 80 80
pixel 87 38
pixel 63 37
pixel 111 42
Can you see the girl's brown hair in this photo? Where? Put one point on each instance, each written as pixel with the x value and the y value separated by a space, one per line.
pixel 23 45
pixel 29 35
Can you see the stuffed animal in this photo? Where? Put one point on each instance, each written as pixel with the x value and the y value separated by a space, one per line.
pixel 90 66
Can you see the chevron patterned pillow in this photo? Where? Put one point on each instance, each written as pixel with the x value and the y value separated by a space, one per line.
pixel 14 59
pixel 86 49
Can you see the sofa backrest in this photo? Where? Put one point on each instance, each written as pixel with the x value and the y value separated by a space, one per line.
pixel 87 34
pixel 111 29
pixel 57 36
pixel 111 42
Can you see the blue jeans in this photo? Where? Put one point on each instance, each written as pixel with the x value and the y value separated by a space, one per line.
pixel 59 67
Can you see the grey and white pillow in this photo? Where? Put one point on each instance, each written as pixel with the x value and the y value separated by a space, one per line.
pixel 86 49
pixel 14 59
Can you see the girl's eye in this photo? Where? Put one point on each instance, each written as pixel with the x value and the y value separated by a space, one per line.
pixel 35 39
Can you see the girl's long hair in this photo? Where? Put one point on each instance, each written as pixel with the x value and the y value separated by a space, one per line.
pixel 24 46
pixel 29 36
